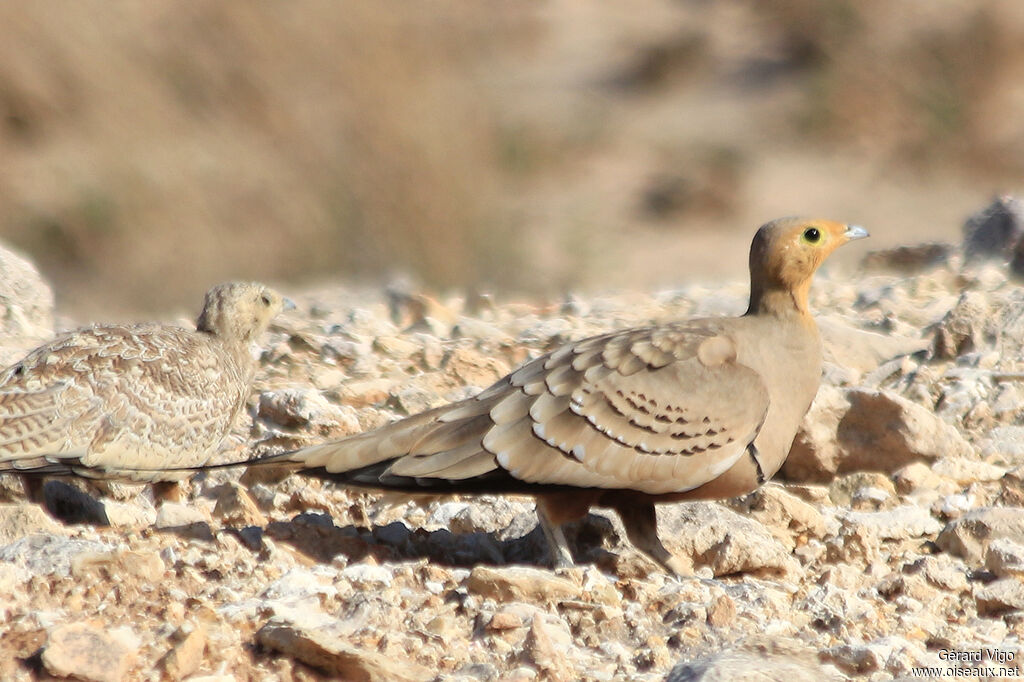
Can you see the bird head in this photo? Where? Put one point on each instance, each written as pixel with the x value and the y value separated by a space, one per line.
pixel 240 311
pixel 786 253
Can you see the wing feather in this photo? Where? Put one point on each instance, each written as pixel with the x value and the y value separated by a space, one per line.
pixel 512 407
pixel 669 421
pixel 643 409
pixel 430 465
pixel 547 407
pixel 479 463
pixel 448 436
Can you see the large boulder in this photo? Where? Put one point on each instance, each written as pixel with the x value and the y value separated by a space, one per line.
pixel 855 429
pixel 26 306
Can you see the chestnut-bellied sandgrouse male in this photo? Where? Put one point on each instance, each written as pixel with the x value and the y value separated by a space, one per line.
pixel 133 402
pixel 696 409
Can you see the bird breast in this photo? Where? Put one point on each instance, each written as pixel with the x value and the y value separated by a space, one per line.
pixel 788 356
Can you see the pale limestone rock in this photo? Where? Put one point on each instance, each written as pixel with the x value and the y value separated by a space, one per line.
pixel 49 554
pixel 843 490
pixel 146 567
pixel 855 543
pixel 26 306
pixel 915 587
pixel 789 518
pixel 966 328
pixel 368 576
pixel 235 507
pixel 299 587
pixel 868 430
pixel 918 477
pixel 186 655
pixel 1006 594
pixel 721 611
pixel 411 400
pixel 468 327
pixel 308 409
pixel 547 648
pixel 474 368
pixel 520 674
pixel 965 472
pixel 1005 558
pixel 1006 443
pixel 772 663
pixel 893 654
pixel 519 583
pixel 396 346
pixel 87 652
pixel 970 535
pixel 19 520
pixel 177 515
pixel 883 426
pixel 505 620
pixel 940 570
pixel 128 515
pixel 901 523
pixel 708 534
pixel 336 657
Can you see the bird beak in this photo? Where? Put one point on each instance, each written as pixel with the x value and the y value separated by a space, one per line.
pixel 855 232
pixel 289 304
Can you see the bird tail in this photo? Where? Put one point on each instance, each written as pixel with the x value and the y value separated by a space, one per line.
pixel 379 446
pixel 439 450
pixel 438 430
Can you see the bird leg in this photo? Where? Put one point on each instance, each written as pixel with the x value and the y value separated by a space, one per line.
pixel 555 509
pixel 166 491
pixel 33 487
pixel 641 523
pixel 558 547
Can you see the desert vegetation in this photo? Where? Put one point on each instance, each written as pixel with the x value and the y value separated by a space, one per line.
pixel 150 150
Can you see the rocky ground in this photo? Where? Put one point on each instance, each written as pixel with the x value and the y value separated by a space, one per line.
pixel 894 537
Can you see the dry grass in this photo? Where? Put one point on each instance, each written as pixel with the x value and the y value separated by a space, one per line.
pixel 148 150
pixel 169 145
pixel 920 84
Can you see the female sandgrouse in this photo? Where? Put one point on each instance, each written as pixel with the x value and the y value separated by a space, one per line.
pixel 130 402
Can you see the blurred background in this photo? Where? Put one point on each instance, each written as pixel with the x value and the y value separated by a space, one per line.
pixel 151 149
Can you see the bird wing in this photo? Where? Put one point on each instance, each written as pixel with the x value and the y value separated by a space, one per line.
pixel 32 424
pixel 662 409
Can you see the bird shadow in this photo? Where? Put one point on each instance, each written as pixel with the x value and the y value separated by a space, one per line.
pixel 69 505
pixel 316 536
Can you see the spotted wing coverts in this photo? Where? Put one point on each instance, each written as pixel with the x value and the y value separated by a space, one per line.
pixel 639 409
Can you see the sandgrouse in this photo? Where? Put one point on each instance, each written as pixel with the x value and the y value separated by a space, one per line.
pixel 697 409
pixel 133 402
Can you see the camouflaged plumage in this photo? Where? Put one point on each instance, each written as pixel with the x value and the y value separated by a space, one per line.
pixel 129 401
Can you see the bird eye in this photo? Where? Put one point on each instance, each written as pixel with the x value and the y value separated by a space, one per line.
pixel 812 235
pixel 265 299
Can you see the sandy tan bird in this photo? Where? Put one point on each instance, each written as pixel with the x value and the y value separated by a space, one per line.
pixel 130 401
pixel 704 408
